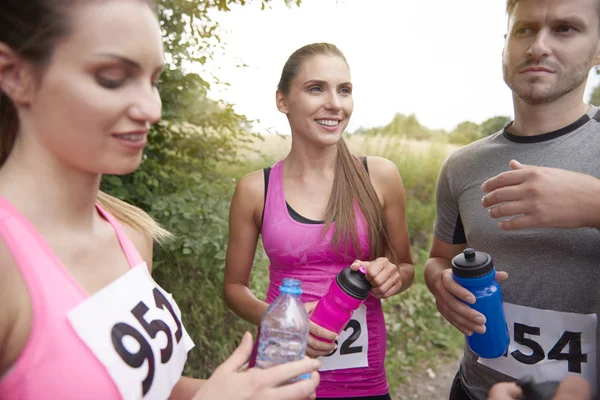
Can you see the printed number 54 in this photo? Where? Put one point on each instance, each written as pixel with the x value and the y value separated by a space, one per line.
pixel 574 357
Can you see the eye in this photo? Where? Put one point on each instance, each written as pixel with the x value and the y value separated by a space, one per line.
pixel 524 31
pixel 346 90
pixel 565 29
pixel 315 89
pixel 112 78
pixel 110 84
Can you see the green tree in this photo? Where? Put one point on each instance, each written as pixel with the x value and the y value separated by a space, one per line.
pixel 493 125
pixel 465 132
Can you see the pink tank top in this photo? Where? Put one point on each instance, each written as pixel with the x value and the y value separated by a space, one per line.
pixel 55 363
pixel 298 250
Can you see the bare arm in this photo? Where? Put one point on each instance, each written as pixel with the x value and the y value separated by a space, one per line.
pixel 15 311
pixel 245 216
pixel 440 256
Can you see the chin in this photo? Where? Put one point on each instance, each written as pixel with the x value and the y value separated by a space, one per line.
pixel 122 168
pixel 329 140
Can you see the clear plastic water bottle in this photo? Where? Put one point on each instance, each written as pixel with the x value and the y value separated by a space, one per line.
pixel 283 328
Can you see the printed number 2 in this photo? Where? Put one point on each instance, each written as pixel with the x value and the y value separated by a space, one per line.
pixel 136 360
pixel 574 357
pixel 346 348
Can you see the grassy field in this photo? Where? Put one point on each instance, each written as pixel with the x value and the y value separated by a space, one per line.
pixel 417 334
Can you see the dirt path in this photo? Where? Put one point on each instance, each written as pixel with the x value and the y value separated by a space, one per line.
pixel 430 384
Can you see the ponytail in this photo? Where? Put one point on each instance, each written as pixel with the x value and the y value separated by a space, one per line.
pixel 133 216
pixel 351 183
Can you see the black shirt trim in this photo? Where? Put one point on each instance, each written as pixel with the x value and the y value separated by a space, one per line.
pixel 550 135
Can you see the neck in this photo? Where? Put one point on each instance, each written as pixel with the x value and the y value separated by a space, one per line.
pixel 306 159
pixel 536 119
pixel 48 192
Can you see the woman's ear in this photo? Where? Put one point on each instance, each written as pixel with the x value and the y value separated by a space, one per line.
pixel 281 102
pixel 16 79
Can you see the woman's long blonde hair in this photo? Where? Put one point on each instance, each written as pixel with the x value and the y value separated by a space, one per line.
pixel 31 28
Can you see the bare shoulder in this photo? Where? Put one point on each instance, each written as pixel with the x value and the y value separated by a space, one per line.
pixel 381 168
pixel 249 196
pixel 385 177
pixel 252 185
pixel 143 242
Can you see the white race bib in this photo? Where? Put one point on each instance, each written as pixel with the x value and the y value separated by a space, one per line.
pixel 353 345
pixel 134 328
pixel 548 345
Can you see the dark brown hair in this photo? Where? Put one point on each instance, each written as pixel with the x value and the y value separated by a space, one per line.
pixel 511 4
pixel 31 28
pixel 351 182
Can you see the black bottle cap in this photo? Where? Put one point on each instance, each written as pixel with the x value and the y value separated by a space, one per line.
pixel 537 391
pixel 354 283
pixel 472 264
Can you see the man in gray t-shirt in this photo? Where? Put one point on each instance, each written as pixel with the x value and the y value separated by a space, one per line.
pixel 529 196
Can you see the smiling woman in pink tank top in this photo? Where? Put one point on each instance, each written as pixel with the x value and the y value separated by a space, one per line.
pixel 80 315
pixel 319 210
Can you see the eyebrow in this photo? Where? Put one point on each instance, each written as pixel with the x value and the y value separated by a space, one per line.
pixel 570 20
pixel 127 61
pixel 321 82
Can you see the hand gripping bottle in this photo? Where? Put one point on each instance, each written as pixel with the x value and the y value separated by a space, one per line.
pixel 475 271
pixel 283 328
pixel 346 293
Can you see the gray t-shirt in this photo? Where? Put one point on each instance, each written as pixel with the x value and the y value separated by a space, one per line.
pixel 549 269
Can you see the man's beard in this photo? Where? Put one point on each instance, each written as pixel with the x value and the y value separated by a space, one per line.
pixel 534 94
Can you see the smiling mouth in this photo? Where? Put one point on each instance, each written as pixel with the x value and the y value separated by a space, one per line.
pixel 132 137
pixel 328 122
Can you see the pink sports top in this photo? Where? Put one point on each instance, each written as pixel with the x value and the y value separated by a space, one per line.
pixel 56 362
pixel 297 250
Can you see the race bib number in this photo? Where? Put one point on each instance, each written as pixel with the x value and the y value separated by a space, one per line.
pixel 353 345
pixel 134 328
pixel 549 345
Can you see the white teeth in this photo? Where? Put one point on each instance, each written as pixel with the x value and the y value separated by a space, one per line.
pixel 328 122
pixel 133 137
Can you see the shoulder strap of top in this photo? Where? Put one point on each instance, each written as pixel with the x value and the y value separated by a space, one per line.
pixel 133 256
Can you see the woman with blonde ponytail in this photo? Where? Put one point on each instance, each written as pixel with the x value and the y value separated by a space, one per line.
pixel 319 210
pixel 80 315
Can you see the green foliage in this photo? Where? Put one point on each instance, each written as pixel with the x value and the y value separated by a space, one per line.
pixel 493 125
pixel 464 133
pixel 402 125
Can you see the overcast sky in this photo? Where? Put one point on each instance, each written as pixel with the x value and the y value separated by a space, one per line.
pixel 438 59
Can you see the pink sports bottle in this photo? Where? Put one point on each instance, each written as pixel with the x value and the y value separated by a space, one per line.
pixel 346 293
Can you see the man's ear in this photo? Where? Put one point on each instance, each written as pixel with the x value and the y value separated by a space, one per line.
pixel 16 79
pixel 281 102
